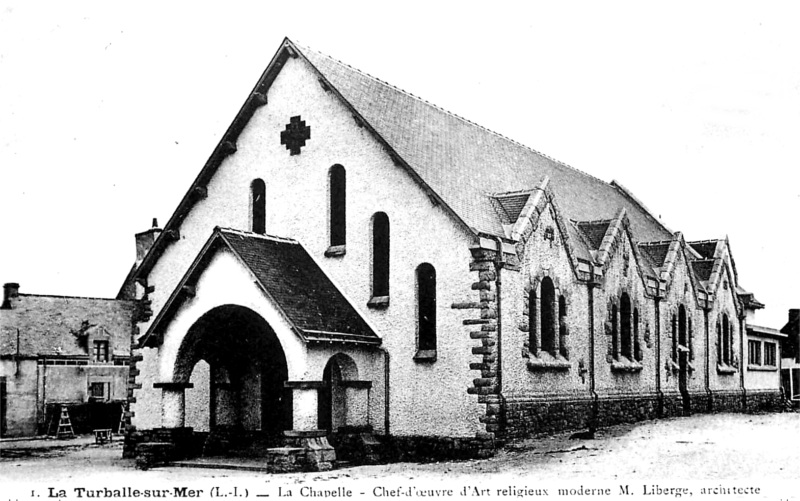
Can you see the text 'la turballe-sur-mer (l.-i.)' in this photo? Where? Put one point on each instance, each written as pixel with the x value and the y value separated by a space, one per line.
pixel 648 491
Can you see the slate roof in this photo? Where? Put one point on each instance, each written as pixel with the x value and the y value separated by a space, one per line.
pixel 706 248
pixel 657 253
pixel 594 231
pixel 463 162
pixel 48 325
pixel 509 206
pixel 702 268
pixel 292 279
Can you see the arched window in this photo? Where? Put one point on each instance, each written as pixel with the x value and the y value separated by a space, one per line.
pixel 674 337
pixel 258 194
pixel 683 339
pixel 533 344
pixel 726 340
pixel 626 345
pixel 548 316
pixel 338 227
pixel 426 307
pixel 637 347
pixel 719 342
pixel 562 326
pixel 380 255
pixel 614 348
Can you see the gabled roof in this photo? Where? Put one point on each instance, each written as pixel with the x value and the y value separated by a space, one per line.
pixel 289 277
pixel 458 163
pixel 702 268
pixel 510 205
pixel 462 161
pixel 656 252
pixel 56 325
pixel 706 248
pixel 594 231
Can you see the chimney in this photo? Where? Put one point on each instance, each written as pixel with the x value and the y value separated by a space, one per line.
pixel 10 291
pixel 145 240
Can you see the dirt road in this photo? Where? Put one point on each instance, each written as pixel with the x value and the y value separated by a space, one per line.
pixel 712 450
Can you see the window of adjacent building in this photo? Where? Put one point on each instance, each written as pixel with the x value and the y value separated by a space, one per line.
pixel 548 316
pixel 338 195
pixel 258 195
pixel 380 255
pixel 426 308
pixel 770 354
pixel 100 351
pixel 97 390
pixel 754 352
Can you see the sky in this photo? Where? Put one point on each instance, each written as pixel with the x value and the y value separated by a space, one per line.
pixel 109 110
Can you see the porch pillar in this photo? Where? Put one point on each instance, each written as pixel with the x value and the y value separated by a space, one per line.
pixel 357 394
pixel 305 412
pixel 305 423
pixel 173 404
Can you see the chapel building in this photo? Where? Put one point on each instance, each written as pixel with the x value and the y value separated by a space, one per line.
pixel 352 259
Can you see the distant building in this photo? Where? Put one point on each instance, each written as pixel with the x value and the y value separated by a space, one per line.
pixel 790 357
pixel 62 351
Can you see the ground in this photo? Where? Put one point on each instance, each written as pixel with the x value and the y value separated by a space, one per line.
pixel 711 451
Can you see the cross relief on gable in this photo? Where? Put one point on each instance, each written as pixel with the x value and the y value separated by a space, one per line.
pixel 295 135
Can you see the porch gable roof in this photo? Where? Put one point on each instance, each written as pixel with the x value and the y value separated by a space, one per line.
pixel 284 271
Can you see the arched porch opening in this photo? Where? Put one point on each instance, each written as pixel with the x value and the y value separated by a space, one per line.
pixel 332 399
pixel 246 370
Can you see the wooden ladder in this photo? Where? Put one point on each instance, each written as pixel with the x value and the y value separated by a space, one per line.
pixel 121 429
pixel 64 425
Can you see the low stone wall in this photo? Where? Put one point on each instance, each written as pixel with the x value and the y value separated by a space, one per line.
pixel 728 401
pixel 526 417
pixel 671 405
pixel 185 442
pixel 414 448
pixel 618 410
pixel 764 401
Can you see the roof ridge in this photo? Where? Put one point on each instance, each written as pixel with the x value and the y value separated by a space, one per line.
pixel 501 194
pixel 58 296
pixel 450 113
pixel 655 242
pixel 593 221
pixel 257 235
pixel 711 240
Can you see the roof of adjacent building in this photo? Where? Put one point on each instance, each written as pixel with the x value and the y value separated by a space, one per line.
pixel 289 276
pixel 56 325
pixel 757 330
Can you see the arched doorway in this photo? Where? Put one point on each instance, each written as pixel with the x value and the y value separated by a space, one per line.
pixel 246 370
pixel 332 398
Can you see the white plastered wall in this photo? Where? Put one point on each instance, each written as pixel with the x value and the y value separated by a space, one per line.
pixel 426 399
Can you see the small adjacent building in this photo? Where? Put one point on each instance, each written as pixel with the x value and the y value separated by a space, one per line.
pixel 790 357
pixel 62 351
